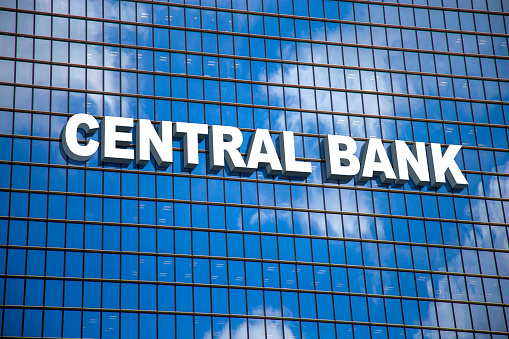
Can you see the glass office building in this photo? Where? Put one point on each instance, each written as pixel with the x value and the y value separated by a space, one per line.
pixel 92 249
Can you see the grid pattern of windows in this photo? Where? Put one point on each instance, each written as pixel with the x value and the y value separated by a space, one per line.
pixel 104 250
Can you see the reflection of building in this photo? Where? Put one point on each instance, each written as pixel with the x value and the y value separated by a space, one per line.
pixel 92 249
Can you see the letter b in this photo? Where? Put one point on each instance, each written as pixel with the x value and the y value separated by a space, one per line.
pixel 340 159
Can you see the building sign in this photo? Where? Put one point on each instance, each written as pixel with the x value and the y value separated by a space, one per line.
pixel 421 163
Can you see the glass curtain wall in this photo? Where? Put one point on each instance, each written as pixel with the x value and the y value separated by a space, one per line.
pixel 92 249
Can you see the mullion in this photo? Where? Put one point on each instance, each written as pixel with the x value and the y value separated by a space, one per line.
pixel 284 62
pixel 265 37
pixel 241 316
pixel 257 288
pixel 387 117
pixel 23 315
pixel 265 14
pixel 292 235
pixel 202 101
pixel 268 207
pixel 278 261
pixel 395 4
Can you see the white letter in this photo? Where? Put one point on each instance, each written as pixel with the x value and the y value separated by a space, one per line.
pixel 115 131
pixel 70 139
pixel 443 165
pixel 261 152
pixel 291 167
pixel 159 144
pixel 340 159
pixel 191 133
pixel 411 160
pixel 224 142
pixel 375 162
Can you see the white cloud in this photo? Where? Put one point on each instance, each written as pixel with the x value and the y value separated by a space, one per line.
pixel 258 329
pixel 479 209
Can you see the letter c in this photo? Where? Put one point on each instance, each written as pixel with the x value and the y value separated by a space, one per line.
pixel 70 143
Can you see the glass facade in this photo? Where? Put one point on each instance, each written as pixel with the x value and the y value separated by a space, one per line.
pixel 92 249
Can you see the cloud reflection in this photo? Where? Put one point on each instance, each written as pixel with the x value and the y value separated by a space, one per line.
pixel 274 329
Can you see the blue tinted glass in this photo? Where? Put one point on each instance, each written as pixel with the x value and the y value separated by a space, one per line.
pixel 303 257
